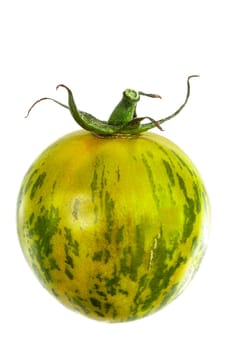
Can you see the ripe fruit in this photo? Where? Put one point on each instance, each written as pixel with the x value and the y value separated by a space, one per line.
pixel 113 224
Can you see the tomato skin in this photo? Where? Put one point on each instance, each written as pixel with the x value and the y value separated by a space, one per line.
pixel 113 227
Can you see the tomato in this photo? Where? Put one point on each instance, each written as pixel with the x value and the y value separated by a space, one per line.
pixel 113 224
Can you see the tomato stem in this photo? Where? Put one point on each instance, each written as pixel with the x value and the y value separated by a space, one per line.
pixel 123 119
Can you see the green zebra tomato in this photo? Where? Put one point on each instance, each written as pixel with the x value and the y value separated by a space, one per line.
pixel 115 227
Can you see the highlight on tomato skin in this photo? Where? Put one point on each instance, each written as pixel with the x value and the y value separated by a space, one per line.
pixel 114 226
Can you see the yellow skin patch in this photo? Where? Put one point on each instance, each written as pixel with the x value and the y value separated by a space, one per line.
pixel 114 227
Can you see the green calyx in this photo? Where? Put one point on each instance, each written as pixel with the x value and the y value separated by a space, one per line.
pixel 123 119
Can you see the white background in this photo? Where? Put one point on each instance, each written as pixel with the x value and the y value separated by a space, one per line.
pixel 99 48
